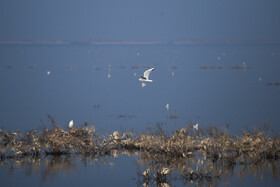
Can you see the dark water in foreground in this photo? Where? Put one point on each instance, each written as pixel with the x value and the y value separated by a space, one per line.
pixel 205 84
pixel 123 170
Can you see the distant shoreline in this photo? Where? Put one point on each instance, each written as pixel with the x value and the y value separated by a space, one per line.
pixel 205 42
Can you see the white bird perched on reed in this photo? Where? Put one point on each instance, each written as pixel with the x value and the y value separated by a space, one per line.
pixel 71 123
pixel 145 78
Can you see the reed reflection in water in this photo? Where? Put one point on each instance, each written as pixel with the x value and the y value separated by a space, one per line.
pixel 179 171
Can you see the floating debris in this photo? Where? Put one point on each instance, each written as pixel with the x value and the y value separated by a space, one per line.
pixel 95 106
pixel 147 67
pixel 126 116
pixel 211 67
pixel 96 68
pixel 9 67
pixel 236 67
pixel 173 116
pixel 207 67
pixel 172 67
pixel 68 67
pixel 48 72
pixel 135 67
pixel 31 67
pixel 273 83
pixel 203 67
pixel 109 67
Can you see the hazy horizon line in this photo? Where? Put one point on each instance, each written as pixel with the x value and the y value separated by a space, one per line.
pixel 186 42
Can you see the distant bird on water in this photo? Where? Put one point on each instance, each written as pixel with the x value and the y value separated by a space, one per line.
pixel 71 123
pixel 167 106
pixel 195 126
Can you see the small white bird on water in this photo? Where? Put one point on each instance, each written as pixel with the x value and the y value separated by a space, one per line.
pixel 71 123
pixel 195 126
pixel 167 106
pixel 145 78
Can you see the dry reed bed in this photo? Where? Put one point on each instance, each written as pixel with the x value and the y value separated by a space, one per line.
pixel 212 143
pixel 198 155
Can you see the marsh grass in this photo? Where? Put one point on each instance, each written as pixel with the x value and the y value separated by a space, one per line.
pixel 203 155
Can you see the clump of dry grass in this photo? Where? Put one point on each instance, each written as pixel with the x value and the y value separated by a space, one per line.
pixel 13 144
pixel 79 140
pixel 255 146
pixel 180 144
pixel 213 143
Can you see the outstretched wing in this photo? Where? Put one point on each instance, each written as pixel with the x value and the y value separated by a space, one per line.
pixel 147 73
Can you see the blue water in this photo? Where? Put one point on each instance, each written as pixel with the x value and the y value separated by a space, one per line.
pixel 204 84
pixel 78 87
pixel 121 171
pixel 70 172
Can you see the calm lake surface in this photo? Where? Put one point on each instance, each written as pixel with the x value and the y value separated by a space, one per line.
pixel 234 85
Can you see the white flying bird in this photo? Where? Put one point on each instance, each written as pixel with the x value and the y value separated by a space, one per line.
pixel 71 123
pixel 145 78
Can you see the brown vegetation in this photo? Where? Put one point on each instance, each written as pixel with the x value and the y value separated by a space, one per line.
pixel 194 154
